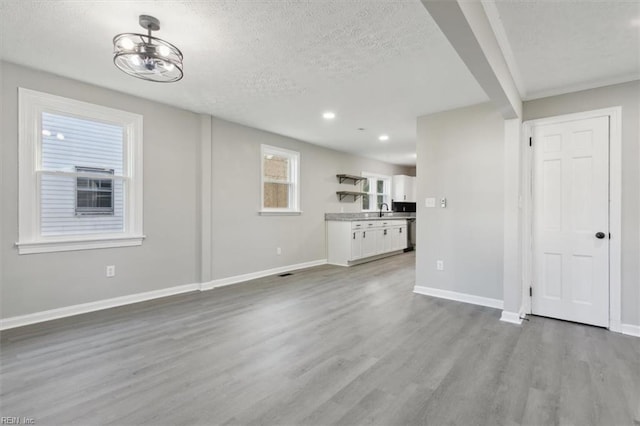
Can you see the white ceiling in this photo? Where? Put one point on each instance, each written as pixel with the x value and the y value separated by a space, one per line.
pixel 278 64
pixel 567 45
pixel 274 65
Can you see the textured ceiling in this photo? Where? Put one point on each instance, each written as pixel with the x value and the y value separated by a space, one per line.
pixel 561 46
pixel 274 65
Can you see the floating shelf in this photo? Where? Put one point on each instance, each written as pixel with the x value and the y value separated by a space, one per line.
pixel 353 194
pixel 353 178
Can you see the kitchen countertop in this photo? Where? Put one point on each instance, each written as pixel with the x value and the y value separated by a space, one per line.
pixel 350 217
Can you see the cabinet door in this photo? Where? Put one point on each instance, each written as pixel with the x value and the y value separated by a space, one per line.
pixel 368 243
pixel 410 189
pixel 399 238
pixel 356 245
pixel 388 240
pixel 398 188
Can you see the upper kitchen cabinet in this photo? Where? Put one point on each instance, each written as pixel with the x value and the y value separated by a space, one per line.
pixel 403 189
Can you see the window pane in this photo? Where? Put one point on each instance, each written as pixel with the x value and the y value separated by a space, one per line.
pixel 365 202
pixel 380 200
pixel 68 142
pixel 365 186
pixel 58 207
pixel 380 188
pixel 276 168
pixel 276 195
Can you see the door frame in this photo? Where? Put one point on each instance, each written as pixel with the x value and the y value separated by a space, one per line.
pixel 615 210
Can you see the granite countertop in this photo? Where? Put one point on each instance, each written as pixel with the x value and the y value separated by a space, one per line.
pixel 349 217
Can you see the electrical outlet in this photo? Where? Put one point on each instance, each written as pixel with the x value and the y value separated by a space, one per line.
pixel 110 271
pixel 440 265
pixel 278 251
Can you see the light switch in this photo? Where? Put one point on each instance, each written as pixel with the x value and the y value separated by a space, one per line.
pixel 430 202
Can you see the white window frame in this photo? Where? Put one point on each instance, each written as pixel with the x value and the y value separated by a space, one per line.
pixel 31 106
pixel 294 176
pixel 373 194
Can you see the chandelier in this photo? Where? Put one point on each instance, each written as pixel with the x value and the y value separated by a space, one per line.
pixel 147 57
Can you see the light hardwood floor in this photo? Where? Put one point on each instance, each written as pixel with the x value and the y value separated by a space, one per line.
pixel 327 345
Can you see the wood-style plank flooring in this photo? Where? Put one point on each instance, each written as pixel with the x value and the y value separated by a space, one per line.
pixel 327 345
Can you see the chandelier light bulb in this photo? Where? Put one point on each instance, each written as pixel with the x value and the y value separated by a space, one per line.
pixel 127 44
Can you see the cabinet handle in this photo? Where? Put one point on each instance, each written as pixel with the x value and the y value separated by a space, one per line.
pixel 401 230
pixel 364 234
pixel 385 232
pixel 405 198
pixel 354 235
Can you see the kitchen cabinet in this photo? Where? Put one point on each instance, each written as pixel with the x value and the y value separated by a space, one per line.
pixel 351 242
pixel 403 188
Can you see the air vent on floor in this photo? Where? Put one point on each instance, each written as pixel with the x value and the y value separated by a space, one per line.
pixel 286 274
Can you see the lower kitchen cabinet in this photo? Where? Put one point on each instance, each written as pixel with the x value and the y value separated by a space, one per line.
pixel 358 241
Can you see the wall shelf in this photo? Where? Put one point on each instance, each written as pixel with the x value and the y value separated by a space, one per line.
pixel 355 195
pixel 353 178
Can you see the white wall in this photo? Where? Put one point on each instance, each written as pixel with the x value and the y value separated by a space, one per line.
pixel 461 157
pixel 245 242
pixel 627 96
pixel 167 258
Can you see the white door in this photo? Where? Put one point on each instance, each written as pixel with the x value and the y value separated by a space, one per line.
pixel 571 221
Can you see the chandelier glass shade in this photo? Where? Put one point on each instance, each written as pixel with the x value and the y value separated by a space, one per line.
pixel 147 57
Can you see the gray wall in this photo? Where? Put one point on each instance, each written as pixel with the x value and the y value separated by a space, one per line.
pixel 628 96
pixel 244 241
pixel 167 258
pixel 460 157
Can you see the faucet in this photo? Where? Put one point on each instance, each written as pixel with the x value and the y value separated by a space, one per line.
pixel 383 204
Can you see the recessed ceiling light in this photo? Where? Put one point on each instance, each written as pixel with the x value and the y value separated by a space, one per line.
pixel 329 115
pixel 383 138
pixel 46 132
pixel 60 136
pixel 414 155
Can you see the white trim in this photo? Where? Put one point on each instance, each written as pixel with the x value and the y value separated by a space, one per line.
pixel 545 93
pixel 45 246
pixel 615 206
pixel 511 317
pixel 630 330
pixel 458 297
pixel 31 105
pixel 206 199
pixel 294 179
pixel 68 311
pixel 259 274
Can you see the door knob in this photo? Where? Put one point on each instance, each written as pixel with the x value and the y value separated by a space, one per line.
pixel 600 235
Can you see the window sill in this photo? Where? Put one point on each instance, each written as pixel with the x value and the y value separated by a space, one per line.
pixel 280 212
pixel 49 246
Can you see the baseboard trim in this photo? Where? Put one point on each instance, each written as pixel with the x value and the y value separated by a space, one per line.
pixel 459 297
pixel 222 282
pixel 630 330
pixel 83 308
pixel 511 317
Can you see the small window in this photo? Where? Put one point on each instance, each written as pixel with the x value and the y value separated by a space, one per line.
pixel 377 189
pixel 280 176
pixel 94 196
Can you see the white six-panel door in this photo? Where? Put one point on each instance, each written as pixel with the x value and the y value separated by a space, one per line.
pixel 570 209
